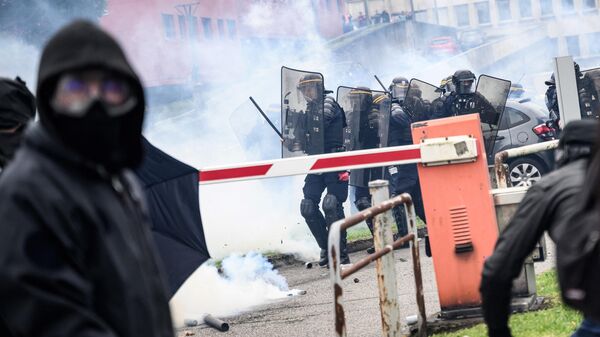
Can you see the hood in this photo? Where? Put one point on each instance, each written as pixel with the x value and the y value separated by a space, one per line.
pixel 83 45
pixel 576 141
pixel 17 104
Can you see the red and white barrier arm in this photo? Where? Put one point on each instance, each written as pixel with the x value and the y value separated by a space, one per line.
pixel 436 151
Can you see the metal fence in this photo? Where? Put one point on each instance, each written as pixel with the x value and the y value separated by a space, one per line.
pixel 384 258
pixel 502 156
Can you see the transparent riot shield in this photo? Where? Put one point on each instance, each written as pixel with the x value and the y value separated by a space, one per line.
pixel 302 99
pixel 419 99
pixel 256 138
pixel 492 94
pixel 589 90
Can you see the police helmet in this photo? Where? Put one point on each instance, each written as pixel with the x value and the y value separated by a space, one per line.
pixel 399 87
pixel 463 81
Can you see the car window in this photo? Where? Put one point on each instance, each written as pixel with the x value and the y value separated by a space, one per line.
pixel 504 121
pixel 516 117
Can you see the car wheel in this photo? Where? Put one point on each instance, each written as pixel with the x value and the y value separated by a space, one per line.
pixel 525 171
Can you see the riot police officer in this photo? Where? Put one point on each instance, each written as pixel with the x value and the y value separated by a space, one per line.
pixel 405 178
pixel 372 107
pixel 398 88
pixel 336 183
pixel 437 106
pixel 466 101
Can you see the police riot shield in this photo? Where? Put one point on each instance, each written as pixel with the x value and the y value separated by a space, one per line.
pixel 589 100
pixel 492 94
pixel 419 99
pixel 302 101
pixel 367 118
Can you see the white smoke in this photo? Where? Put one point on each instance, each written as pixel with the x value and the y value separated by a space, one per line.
pixel 246 281
pixel 18 58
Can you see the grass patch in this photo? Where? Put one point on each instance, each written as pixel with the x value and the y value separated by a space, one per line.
pixel 556 321
pixel 358 233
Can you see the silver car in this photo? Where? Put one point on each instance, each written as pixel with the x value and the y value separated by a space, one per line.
pixel 524 123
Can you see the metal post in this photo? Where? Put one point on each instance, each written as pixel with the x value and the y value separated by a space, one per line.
pixel 335 272
pixel 385 267
pixel 414 246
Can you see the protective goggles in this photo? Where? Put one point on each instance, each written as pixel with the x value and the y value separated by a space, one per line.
pixel 76 92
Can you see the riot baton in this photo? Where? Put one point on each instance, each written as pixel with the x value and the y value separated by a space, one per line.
pixel 383 86
pixel 266 118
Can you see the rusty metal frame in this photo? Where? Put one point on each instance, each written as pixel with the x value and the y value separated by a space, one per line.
pixel 390 313
pixel 502 156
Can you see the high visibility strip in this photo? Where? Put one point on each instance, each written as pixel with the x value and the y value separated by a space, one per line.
pixel 234 173
pixel 364 159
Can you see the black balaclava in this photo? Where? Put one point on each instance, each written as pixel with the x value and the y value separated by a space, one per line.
pixel 17 107
pixel 98 138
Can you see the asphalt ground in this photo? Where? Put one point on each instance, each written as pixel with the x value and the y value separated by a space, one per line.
pixel 312 314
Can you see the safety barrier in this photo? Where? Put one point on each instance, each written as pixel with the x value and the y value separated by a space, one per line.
pixel 384 258
pixel 502 156
pixel 436 151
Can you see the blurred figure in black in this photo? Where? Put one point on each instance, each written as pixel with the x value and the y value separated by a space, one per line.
pixel 76 250
pixel 545 207
pixel 17 108
pixel 336 183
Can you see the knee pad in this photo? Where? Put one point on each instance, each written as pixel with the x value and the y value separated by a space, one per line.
pixel 330 204
pixel 308 209
pixel 362 203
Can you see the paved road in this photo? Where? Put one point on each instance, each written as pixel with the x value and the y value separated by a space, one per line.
pixel 312 314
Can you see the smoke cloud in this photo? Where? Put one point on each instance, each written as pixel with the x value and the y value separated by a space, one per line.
pixel 245 282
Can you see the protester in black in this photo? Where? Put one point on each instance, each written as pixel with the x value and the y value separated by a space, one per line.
pixel 545 207
pixel 17 108
pixel 76 251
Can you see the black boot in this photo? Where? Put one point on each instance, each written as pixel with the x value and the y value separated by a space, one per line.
pixel 344 258
pixel 324 260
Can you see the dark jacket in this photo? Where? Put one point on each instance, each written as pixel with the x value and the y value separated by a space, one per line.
pixel 76 252
pixel 400 131
pixel 545 207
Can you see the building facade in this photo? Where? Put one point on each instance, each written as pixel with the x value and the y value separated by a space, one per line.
pixel 572 25
pixel 173 42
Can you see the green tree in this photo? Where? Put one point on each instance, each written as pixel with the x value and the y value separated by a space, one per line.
pixel 34 21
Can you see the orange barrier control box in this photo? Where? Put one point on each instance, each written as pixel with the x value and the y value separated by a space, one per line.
pixel 461 220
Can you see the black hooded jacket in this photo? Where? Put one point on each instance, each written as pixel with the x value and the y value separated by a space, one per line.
pixel 76 253
pixel 544 208
pixel 17 108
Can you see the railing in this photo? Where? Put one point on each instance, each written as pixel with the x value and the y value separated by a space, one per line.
pixel 384 258
pixel 500 158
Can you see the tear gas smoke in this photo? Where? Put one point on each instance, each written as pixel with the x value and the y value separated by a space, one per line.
pixel 247 281
pixel 18 59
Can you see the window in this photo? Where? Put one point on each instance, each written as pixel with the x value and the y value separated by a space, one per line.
pixel 443 16
pixel 421 16
pixel 516 117
pixel 193 27
pixel 462 15
pixel 594 43
pixel 207 27
pixel 221 27
pixel 546 7
pixel 573 45
pixel 483 12
pixel 503 10
pixel 169 25
pixel 231 29
pixel 567 6
pixel 525 8
pixel 589 4
pixel 182 26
